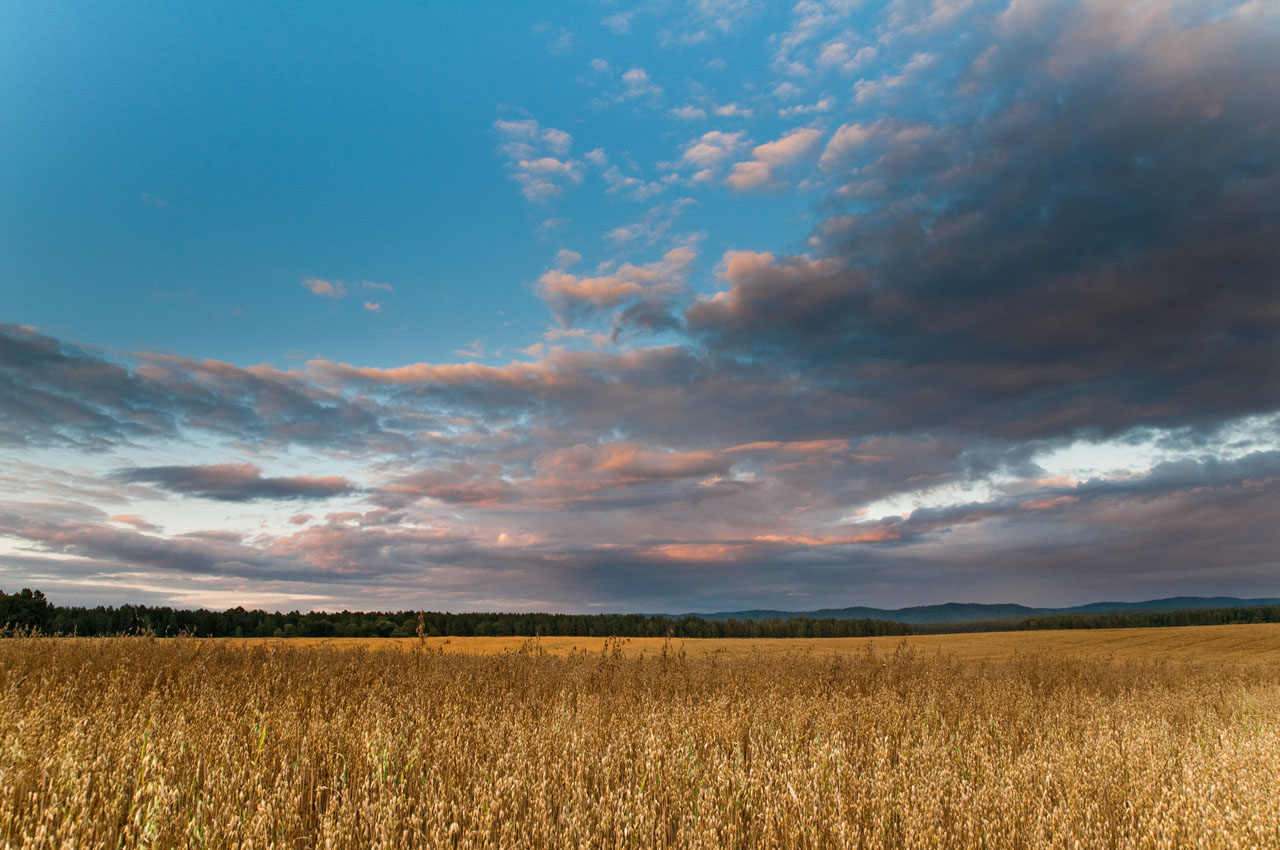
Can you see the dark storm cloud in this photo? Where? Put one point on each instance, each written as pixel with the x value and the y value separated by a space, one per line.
pixel 1083 238
pixel 236 482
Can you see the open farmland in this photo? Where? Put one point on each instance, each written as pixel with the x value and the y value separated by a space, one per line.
pixel 1257 644
pixel 1137 739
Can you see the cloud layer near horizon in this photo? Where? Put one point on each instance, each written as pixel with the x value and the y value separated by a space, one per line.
pixel 1065 236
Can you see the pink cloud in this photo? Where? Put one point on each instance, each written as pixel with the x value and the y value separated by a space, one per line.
pixel 325 288
pixel 770 158
pixel 569 294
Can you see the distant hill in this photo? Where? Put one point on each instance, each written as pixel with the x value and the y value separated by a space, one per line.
pixel 967 612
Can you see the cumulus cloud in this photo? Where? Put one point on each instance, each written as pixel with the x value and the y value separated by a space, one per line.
pixel 571 296
pixel 772 157
pixel 636 84
pixel 706 154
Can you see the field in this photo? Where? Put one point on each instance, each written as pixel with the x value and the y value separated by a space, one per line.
pixel 1133 739
pixel 1236 645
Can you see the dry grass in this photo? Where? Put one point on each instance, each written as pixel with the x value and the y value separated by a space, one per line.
pixel 1236 645
pixel 182 743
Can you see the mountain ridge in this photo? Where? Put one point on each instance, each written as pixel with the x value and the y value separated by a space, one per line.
pixel 962 612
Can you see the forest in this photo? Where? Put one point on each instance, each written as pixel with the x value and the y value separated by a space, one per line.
pixel 29 610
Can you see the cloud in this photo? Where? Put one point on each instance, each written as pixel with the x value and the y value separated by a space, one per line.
pixel 733 110
pixel 770 158
pixel 535 157
pixel 844 57
pixel 689 113
pixel 52 393
pixel 373 306
pixel 876 138
pixel 637 84
pixel 1072 256
pixel 230 482
pixel 655 224
pixel 325 288
pixel 1039 263
pixel 635 188
pixel 571 296
pixel 797 51
pixel 134 521
pixel 566 258
pixel 871 89
pixel 474 351
pixel 622 464
pixel 707 153
pixel 825 104
pixel 620 22
pixel 382 287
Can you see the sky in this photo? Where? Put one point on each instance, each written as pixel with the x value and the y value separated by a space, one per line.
pixel 639 307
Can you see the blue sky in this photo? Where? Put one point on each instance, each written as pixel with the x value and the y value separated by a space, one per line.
pixel 657 306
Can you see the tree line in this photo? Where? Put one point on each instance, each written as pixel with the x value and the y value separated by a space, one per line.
pixel 30 610
pixel 1127 620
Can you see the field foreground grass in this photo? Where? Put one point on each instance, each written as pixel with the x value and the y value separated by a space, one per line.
pixel 135 742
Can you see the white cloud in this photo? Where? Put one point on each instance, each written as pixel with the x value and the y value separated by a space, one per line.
pixel 620 23
pixel 566 258
pixel 840 55
pixel 826 104
pixel 787 91
pixel 688 113
pixel 712 148
pixel 535 158
pixel 811 21
pixel 637 84
pixel 732 110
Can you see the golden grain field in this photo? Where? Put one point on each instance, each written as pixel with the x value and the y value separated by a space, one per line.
pixel 1252 644
pixel 135 742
